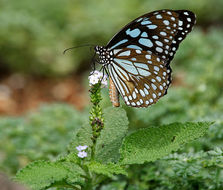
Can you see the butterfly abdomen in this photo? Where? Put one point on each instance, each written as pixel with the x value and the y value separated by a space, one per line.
pixel 113 94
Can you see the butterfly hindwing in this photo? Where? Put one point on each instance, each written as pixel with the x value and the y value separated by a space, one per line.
pixel 140 77
pixel 159 32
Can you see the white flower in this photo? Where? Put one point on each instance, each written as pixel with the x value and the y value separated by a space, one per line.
pixel 80 148
pixel 96 76
pixel 82 154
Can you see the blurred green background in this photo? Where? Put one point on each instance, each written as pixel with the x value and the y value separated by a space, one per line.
pixel 33 70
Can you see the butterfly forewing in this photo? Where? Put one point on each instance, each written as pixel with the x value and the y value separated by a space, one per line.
pixel 140 77
pixel 159 32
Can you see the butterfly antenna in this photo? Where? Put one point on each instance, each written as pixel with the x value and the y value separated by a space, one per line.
pixel 85 45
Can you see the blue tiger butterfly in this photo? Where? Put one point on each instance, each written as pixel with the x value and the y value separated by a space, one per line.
pixel 138 57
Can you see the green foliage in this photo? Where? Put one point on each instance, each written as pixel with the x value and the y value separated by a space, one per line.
pixel 106 169
pixel 189 171
pixel 41 175
pixel 81 137
pixel 152 143
pixel 40 135
pixel 110 140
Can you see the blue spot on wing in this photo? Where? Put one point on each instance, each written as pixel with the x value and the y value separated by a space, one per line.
pixel 134 47
pixel 145 22
pixel 119 43
pixel 133 33
pixel 146 42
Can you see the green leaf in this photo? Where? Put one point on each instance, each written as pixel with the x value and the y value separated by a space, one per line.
pixel 41 174
pixel 106 169
pixel 82 137
pixel 110 139
pixel 150 144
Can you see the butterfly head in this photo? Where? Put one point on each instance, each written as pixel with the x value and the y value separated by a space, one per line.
pixel 104 54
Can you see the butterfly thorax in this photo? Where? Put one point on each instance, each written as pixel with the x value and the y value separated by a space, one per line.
pixel 105 55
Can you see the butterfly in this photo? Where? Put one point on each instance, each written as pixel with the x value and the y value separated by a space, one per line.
pixel 138 57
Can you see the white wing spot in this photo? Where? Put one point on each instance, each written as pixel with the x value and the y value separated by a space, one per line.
pixel 138 103
pixel 146 91
pixel 159 43
pixel 139 20
pixel 154 95
pixel 169 13
pixel 156 68
pixel 138 51
pixel 180 23
pixel 147 102
pixel 186 13
pixel 126 98
pixel 172 18
pixel 163 33
pixel 141 101
pixel 166 22
pixel 148 56
pixel 155 37
pixel 154 86
pixel 189 19
pixel 159 17
pixel 151 100
pixel 161 87
pixel 133 104
pixel 159 49
pixel 134 95
pixel 147 86
pixel 130 97
pixel 142 93
pixel 158 78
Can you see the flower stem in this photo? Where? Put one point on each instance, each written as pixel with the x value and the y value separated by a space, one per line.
pixel 96 116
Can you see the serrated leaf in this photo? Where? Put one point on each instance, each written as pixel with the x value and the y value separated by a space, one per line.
pixel 41 174
pixel 110 140
pixel 153 143
pixel 106 169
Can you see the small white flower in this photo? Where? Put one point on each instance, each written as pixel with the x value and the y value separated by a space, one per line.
pixel 80 148
pixel 96 76
pixel 82 154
